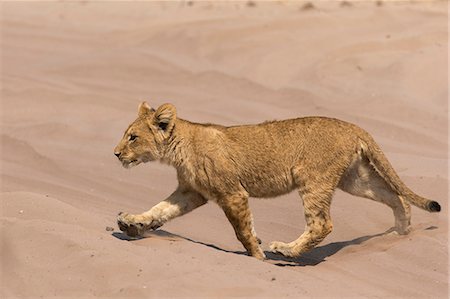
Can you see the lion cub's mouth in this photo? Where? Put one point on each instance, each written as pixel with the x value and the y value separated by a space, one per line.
pixel 129 164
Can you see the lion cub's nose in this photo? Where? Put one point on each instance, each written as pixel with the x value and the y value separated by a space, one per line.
pixel 117 154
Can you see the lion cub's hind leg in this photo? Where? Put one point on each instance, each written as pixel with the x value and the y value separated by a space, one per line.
pixel 361 179
pixel 316 202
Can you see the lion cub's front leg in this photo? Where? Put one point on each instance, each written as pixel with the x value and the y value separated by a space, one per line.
pixel 179 203
pixel 136 225
pixel 237 210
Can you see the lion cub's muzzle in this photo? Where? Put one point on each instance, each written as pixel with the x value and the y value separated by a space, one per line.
pixel 126 163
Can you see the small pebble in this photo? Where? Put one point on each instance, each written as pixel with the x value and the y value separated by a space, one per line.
pixel 273 279
pixel 109 229
pixel 21 212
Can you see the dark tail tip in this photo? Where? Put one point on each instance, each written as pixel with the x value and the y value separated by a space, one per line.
pixel 434 206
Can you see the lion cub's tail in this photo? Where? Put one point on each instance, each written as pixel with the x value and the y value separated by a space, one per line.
pixel 387 172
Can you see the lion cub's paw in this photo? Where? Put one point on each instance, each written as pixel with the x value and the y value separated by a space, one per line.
pixel 136 225
pixel 403 230
pixel 259 254
pixel 128 225
pixel 398 231
pixel 281 248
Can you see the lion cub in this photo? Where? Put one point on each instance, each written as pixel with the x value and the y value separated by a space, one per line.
pixel 227 165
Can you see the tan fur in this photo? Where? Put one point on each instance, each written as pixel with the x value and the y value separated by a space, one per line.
pixel 227 165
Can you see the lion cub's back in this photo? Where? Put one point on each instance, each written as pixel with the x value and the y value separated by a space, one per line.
pixel 286 137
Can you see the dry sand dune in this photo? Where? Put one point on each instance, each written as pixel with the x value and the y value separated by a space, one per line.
pixel 73 74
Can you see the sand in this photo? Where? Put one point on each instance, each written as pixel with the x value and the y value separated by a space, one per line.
pixel 73 74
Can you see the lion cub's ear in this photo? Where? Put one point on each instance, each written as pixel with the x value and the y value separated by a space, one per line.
pixel 164 117
pixel 144 109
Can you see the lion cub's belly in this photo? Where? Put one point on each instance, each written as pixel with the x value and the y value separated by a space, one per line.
pixel 267 184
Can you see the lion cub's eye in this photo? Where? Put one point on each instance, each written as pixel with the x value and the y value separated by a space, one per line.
pixel 132 137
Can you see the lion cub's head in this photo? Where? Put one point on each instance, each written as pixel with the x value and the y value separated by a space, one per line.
pixel 144 140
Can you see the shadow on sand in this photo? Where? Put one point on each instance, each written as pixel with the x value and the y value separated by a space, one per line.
pixel 167 235
pixel 318 254
pixel 311 258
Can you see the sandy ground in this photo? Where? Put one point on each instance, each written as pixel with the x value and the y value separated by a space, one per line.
pixel 73 74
